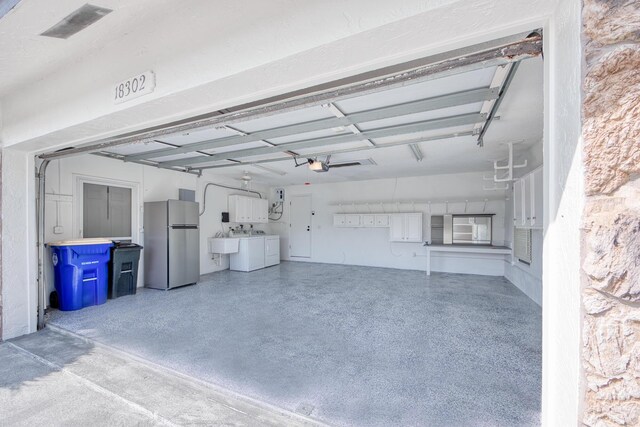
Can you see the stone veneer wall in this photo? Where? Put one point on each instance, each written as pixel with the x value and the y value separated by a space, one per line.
pixel 611 218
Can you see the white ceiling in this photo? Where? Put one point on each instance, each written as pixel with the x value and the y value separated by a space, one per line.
pixel 520 120
pixel 27 56
pixel 521 112
pixel 138 28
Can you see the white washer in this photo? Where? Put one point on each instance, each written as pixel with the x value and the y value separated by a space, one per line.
pixel 250 255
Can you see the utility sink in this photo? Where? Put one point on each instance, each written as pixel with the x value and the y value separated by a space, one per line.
pixel 219 245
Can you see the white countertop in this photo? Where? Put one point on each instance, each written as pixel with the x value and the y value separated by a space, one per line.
pixel 498 250
pixel 253 236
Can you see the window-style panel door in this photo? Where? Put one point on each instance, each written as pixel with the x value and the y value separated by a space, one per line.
pixel 120 211
pixel 95 211
pixel 106 211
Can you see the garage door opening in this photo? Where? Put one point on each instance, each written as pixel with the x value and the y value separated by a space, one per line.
pixel 420 288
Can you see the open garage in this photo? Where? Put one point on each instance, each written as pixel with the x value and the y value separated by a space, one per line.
pixel 292 213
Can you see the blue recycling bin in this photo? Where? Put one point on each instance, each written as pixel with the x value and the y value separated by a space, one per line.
pixel 81 273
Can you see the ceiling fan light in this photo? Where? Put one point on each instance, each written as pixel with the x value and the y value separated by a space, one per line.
pixel 318 166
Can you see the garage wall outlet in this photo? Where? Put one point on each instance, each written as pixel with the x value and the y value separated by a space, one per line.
pixel 58 229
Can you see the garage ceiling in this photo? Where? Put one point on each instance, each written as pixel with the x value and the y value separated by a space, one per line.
pixel 448 113
pixel 441 117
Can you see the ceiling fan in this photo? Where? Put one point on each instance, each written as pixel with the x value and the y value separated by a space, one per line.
pixel 246 180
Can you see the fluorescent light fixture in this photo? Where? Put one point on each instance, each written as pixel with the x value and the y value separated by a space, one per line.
pixel 77 21
pixel 417 153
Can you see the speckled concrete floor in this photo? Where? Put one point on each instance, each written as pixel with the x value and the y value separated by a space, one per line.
pixel 351 345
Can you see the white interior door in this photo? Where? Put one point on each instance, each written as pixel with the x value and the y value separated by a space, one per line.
pixel 300 227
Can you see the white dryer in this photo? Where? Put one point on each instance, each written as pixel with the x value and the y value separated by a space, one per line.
pixel 271 250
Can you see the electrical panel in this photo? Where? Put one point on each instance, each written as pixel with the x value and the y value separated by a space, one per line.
pixel 279 194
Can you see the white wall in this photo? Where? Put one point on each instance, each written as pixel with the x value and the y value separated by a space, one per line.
pixel 267 51
pixel 561 309
pixel 63 204
pixel 371 246
pixel 19 289
pixel 211 221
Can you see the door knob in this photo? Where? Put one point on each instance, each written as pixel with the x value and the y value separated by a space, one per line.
pixel 308 228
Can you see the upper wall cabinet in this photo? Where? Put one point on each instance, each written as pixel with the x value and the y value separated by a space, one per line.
pixel 528 203
pixel 405 227
pixel 245 209
pixel 537 195
pixel 361 220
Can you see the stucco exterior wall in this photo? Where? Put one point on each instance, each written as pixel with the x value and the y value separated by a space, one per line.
pixel 19 288
pixel 611 220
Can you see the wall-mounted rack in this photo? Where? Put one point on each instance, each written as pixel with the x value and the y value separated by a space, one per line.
pixel 508 167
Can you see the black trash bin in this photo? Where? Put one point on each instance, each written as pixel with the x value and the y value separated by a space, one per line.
pixel 123 269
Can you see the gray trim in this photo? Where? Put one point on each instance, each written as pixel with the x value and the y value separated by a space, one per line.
pixel 445 122
pixel 429 104
pixel 143 162
pixel 497 52
pixel 494 109
pixel 41 174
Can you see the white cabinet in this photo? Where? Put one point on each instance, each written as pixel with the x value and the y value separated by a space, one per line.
pixel 352 220
pixel 527 194
pixel 239 209
pixel 396 228
pixel 248 209
pixel 537 198
pixel 381 220
pixel 259 210
pixel 414 227
pixel 271 250
pixel 347 220
pixel 368 220
pixel 528 200
pixel 405 227
pixel 361 220
pixel 518 203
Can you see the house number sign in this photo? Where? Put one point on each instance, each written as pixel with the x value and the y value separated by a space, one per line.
pixel 134 87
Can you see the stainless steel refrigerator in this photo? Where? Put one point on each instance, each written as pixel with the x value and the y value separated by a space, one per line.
pixel 171 244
